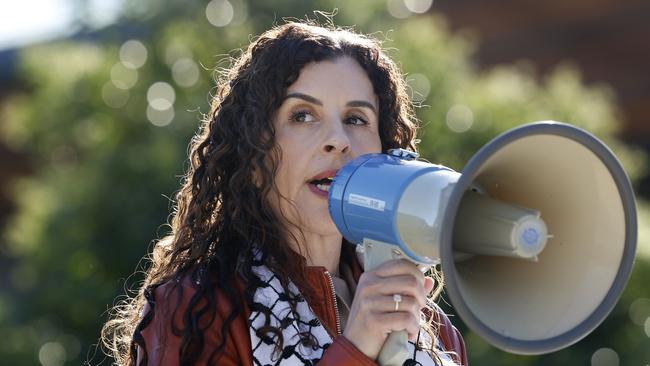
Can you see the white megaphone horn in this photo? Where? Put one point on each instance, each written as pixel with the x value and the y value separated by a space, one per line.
pixel 536 237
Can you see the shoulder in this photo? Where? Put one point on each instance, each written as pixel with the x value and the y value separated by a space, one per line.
pixel 179 310
pixel 185 293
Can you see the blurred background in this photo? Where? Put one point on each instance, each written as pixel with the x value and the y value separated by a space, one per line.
pixel 99 99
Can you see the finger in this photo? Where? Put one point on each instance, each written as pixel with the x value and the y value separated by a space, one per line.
pixel 399 267
pixel 413 337
pixel 396 321
pixel 429 284
pixel 385 304
pixel 402 284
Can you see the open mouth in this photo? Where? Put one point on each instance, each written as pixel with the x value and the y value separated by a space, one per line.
pixel 322 184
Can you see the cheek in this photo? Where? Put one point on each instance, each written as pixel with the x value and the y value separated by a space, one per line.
pixel 377 143
pixel 291 164
pixel 368 143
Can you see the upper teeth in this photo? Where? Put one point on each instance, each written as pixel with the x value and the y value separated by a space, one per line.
pixel 323 187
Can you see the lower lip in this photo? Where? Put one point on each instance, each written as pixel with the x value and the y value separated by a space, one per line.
pixel 317 191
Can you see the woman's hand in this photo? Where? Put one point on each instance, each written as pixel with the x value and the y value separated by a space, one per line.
pixel 373 316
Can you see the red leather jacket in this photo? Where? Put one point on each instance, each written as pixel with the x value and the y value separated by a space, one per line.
pixel 162 345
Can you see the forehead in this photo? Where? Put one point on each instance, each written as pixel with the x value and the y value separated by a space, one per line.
pixel 342 78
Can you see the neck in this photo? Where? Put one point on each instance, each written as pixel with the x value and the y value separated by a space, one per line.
pixel 321 250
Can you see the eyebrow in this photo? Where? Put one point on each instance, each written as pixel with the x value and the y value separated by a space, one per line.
pixel 352 103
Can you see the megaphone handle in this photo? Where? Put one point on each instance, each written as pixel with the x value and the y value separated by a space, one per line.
pixel 395 349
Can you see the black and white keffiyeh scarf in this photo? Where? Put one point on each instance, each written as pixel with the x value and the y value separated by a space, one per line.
pixel 271 296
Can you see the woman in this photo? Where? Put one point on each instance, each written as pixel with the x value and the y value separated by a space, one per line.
pixel 255 271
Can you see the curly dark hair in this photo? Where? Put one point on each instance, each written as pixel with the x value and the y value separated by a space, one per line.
pixel 222 210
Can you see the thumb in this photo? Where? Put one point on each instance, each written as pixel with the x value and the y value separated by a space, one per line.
pixel 428 285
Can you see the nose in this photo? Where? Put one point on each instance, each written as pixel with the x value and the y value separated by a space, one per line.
pixel 337 139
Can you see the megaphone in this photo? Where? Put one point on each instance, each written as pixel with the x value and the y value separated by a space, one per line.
pixel 536 236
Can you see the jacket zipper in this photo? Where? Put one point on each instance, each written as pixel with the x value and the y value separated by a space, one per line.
pixel 336 304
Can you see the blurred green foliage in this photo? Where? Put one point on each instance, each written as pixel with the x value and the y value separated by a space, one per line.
pixel 104 167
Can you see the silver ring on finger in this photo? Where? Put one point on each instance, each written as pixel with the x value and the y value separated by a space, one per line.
pixel 397 298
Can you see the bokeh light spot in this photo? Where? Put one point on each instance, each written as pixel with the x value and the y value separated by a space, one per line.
pixel 71 345
pixel 175 51
pixel 219 12
pixel 89 132
pixel 640 310
pixel 133 54
pixel 605 357
pixel 646 327
pixel 418 6
pixel 113 96
pixel 240 12
pixel 185 72
pixel 397 9
pixel 52 354
pixel 123 77
pixel 161 96
pixel 460 118
pixel 160 118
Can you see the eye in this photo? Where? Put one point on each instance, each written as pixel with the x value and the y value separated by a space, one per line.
pixel 356 120
pixel 302 116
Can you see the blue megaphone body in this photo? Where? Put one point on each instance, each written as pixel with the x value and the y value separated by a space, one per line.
pixel 536 237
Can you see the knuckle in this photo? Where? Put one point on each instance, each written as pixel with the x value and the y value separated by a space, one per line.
pixel 363 291
pixel 420 302
pixel 365 277
pixel 416 317
pixel 368 286
pixel 415 307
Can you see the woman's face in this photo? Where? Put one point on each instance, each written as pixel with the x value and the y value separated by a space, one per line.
pixel 328 117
